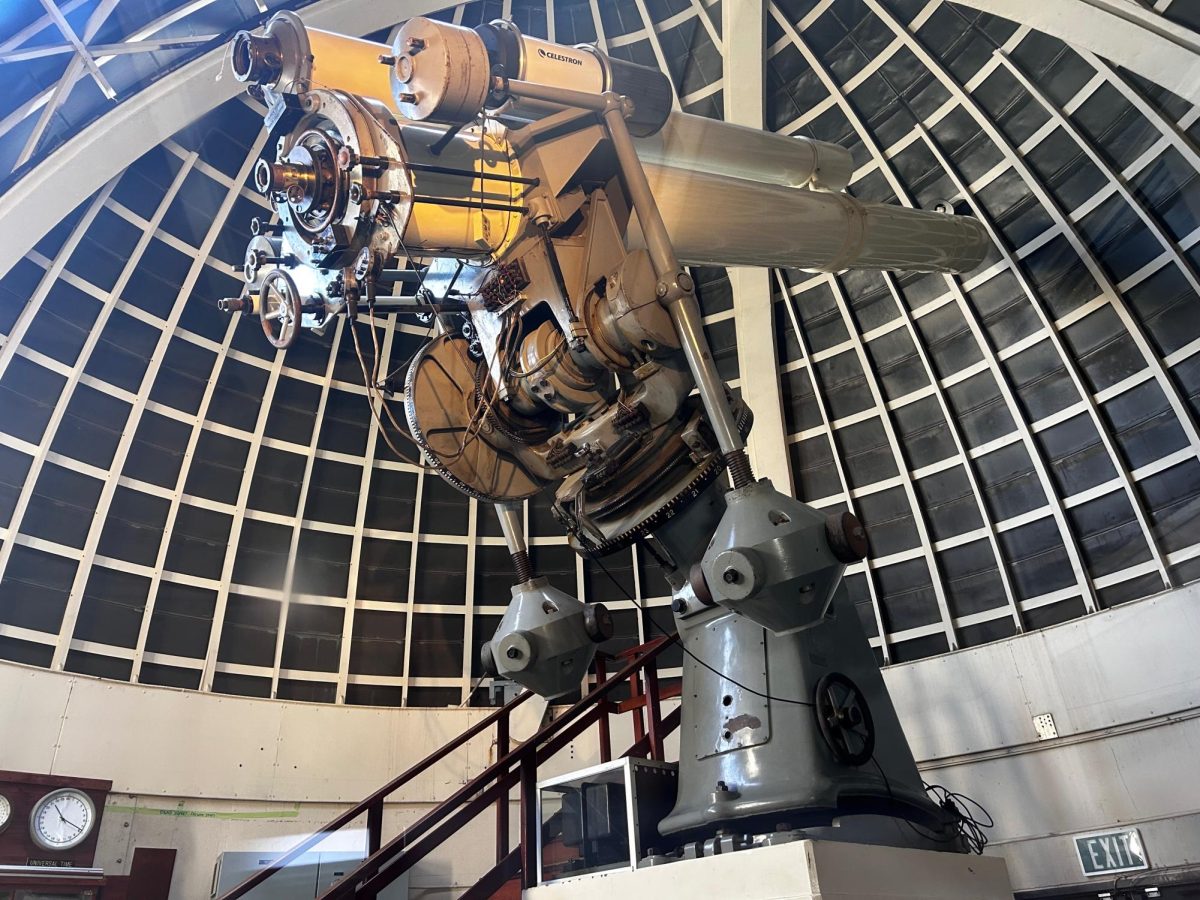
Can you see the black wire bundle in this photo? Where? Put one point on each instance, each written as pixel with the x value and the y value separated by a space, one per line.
pixel 969 824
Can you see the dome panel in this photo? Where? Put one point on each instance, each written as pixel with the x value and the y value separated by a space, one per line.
pixel 180 504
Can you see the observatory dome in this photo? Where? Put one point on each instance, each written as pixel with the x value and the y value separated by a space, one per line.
pixel 182 505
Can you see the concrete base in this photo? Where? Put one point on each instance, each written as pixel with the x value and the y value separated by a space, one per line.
pixel 803 870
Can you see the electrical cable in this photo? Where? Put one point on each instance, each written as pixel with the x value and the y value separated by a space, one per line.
pixel 541 363
pixel 371 405
pixel 506 346
pixel 968 828
pixel 770 697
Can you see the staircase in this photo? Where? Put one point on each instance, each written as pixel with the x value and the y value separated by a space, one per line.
pixel 516 766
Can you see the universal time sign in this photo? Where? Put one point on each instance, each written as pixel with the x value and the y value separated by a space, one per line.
pixel 1110 852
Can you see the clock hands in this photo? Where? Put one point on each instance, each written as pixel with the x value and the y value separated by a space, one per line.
pixel 58 810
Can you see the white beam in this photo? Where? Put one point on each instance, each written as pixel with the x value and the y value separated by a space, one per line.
pixel 46 194
pixel 105 50
pixel 68 32
pixel 743 25
pixel 34 28
pixel 1118 30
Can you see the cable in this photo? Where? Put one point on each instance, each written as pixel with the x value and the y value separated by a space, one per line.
pixel 541 363
pixel 506 347
pixel 970 826
pixel 749 690
pixel 968 829
pixel 371 404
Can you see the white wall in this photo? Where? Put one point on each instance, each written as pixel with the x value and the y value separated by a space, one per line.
pixel 206 772
pixel 1124 689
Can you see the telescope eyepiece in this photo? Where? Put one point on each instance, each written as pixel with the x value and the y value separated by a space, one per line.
pixel 256 59
pixel 284 176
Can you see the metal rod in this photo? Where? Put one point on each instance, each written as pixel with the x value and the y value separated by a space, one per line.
pixel 509 515
pixel 502 801
pixel 529 822
pixel 416 304
pixel 443 142
pixel 471 173
pixel 639 711
pixel 675 288
pixel 653 712
pixel 374 826
pixel 603 725
pixel 469 204
pixel 551 94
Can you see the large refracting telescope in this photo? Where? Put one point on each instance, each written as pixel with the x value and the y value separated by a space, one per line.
pixel 539 204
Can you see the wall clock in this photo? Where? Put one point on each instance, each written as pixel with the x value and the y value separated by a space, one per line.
pixel 62 819
pixel 6 812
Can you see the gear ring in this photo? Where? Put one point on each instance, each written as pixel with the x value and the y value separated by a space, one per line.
pixel 708 472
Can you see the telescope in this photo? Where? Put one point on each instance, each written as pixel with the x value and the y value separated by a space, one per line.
pixel 538 204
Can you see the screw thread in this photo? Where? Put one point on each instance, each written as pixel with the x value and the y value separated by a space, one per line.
pixel 522 565
pixel 740 473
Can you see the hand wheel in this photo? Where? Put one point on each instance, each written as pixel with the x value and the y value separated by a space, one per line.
pixel 279 309
pixel 844 719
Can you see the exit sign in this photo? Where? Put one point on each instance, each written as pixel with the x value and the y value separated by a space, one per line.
pixel 1107 852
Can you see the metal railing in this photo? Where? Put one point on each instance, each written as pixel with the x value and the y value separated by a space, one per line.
pixel 514 766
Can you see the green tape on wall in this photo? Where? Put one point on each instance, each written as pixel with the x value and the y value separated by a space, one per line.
pixel 181 812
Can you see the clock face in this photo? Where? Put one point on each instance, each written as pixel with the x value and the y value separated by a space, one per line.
pixel 5 812
pixel 62 819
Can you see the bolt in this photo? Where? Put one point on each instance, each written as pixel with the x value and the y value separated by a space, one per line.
pixel 415 45
pixel 679 605
pixel 660 289
pixel 406 98
pixel 513 653
pixel 387 59
pixel 356 193
pixel 732 575
pixel 347 159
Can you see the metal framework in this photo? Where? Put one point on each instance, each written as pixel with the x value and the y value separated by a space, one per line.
pixel 127 132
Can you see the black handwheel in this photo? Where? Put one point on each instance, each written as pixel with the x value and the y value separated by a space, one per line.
pixel 279 309
pixel 844 719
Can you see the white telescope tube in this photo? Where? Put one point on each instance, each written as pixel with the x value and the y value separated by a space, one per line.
pixel 721 148
pixel 721 221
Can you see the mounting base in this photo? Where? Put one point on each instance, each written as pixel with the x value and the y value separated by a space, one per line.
pixel 801 870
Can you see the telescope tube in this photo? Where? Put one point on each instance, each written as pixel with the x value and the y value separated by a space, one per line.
pixel 722 221
pixel 721 148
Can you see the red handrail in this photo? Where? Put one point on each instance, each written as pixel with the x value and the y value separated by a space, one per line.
pixel 384 864
pixel 511 865
pixel 402 852
pixel 373 804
